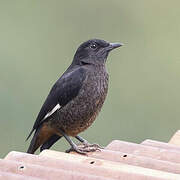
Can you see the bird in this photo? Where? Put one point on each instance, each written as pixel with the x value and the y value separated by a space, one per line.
pixel 75 99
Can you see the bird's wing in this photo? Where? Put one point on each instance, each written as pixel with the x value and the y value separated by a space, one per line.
pixel 64 90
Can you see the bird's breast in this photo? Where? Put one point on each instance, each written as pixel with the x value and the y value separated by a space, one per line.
pixel 80 113
pixel 95 86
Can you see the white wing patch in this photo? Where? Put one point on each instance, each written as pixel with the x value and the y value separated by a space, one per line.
pixel 52 111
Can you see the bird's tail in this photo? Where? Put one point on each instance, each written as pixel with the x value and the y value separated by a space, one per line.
pixel 52 140
pixel 41 135
pixel 33 145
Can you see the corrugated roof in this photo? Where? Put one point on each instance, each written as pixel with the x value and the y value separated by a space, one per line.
pixel 150 160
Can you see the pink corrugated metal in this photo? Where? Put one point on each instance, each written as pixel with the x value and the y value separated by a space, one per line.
pixel 150 160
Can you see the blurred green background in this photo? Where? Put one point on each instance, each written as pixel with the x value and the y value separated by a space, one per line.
pixel 38 39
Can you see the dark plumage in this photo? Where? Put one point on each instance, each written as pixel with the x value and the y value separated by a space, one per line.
pixel 75 99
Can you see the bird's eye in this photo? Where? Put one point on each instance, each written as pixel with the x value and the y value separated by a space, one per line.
pixel 93 46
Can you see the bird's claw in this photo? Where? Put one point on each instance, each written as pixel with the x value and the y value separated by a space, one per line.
pixel 85 148
pixel 93 145
pixel 78 150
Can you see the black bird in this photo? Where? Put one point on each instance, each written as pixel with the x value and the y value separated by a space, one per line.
pixel 75 99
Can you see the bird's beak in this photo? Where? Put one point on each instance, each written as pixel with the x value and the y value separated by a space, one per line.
pixel 115 45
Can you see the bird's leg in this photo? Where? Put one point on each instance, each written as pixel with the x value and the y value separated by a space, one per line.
pixel 74 147
pixel 87 144
pixel 81 139
pixel 82 150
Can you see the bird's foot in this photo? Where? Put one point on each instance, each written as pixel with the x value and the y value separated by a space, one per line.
pixel 76 149
pixel 86 144
pixel 85 148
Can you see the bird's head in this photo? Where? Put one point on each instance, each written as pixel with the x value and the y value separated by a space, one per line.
pixel 94 51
